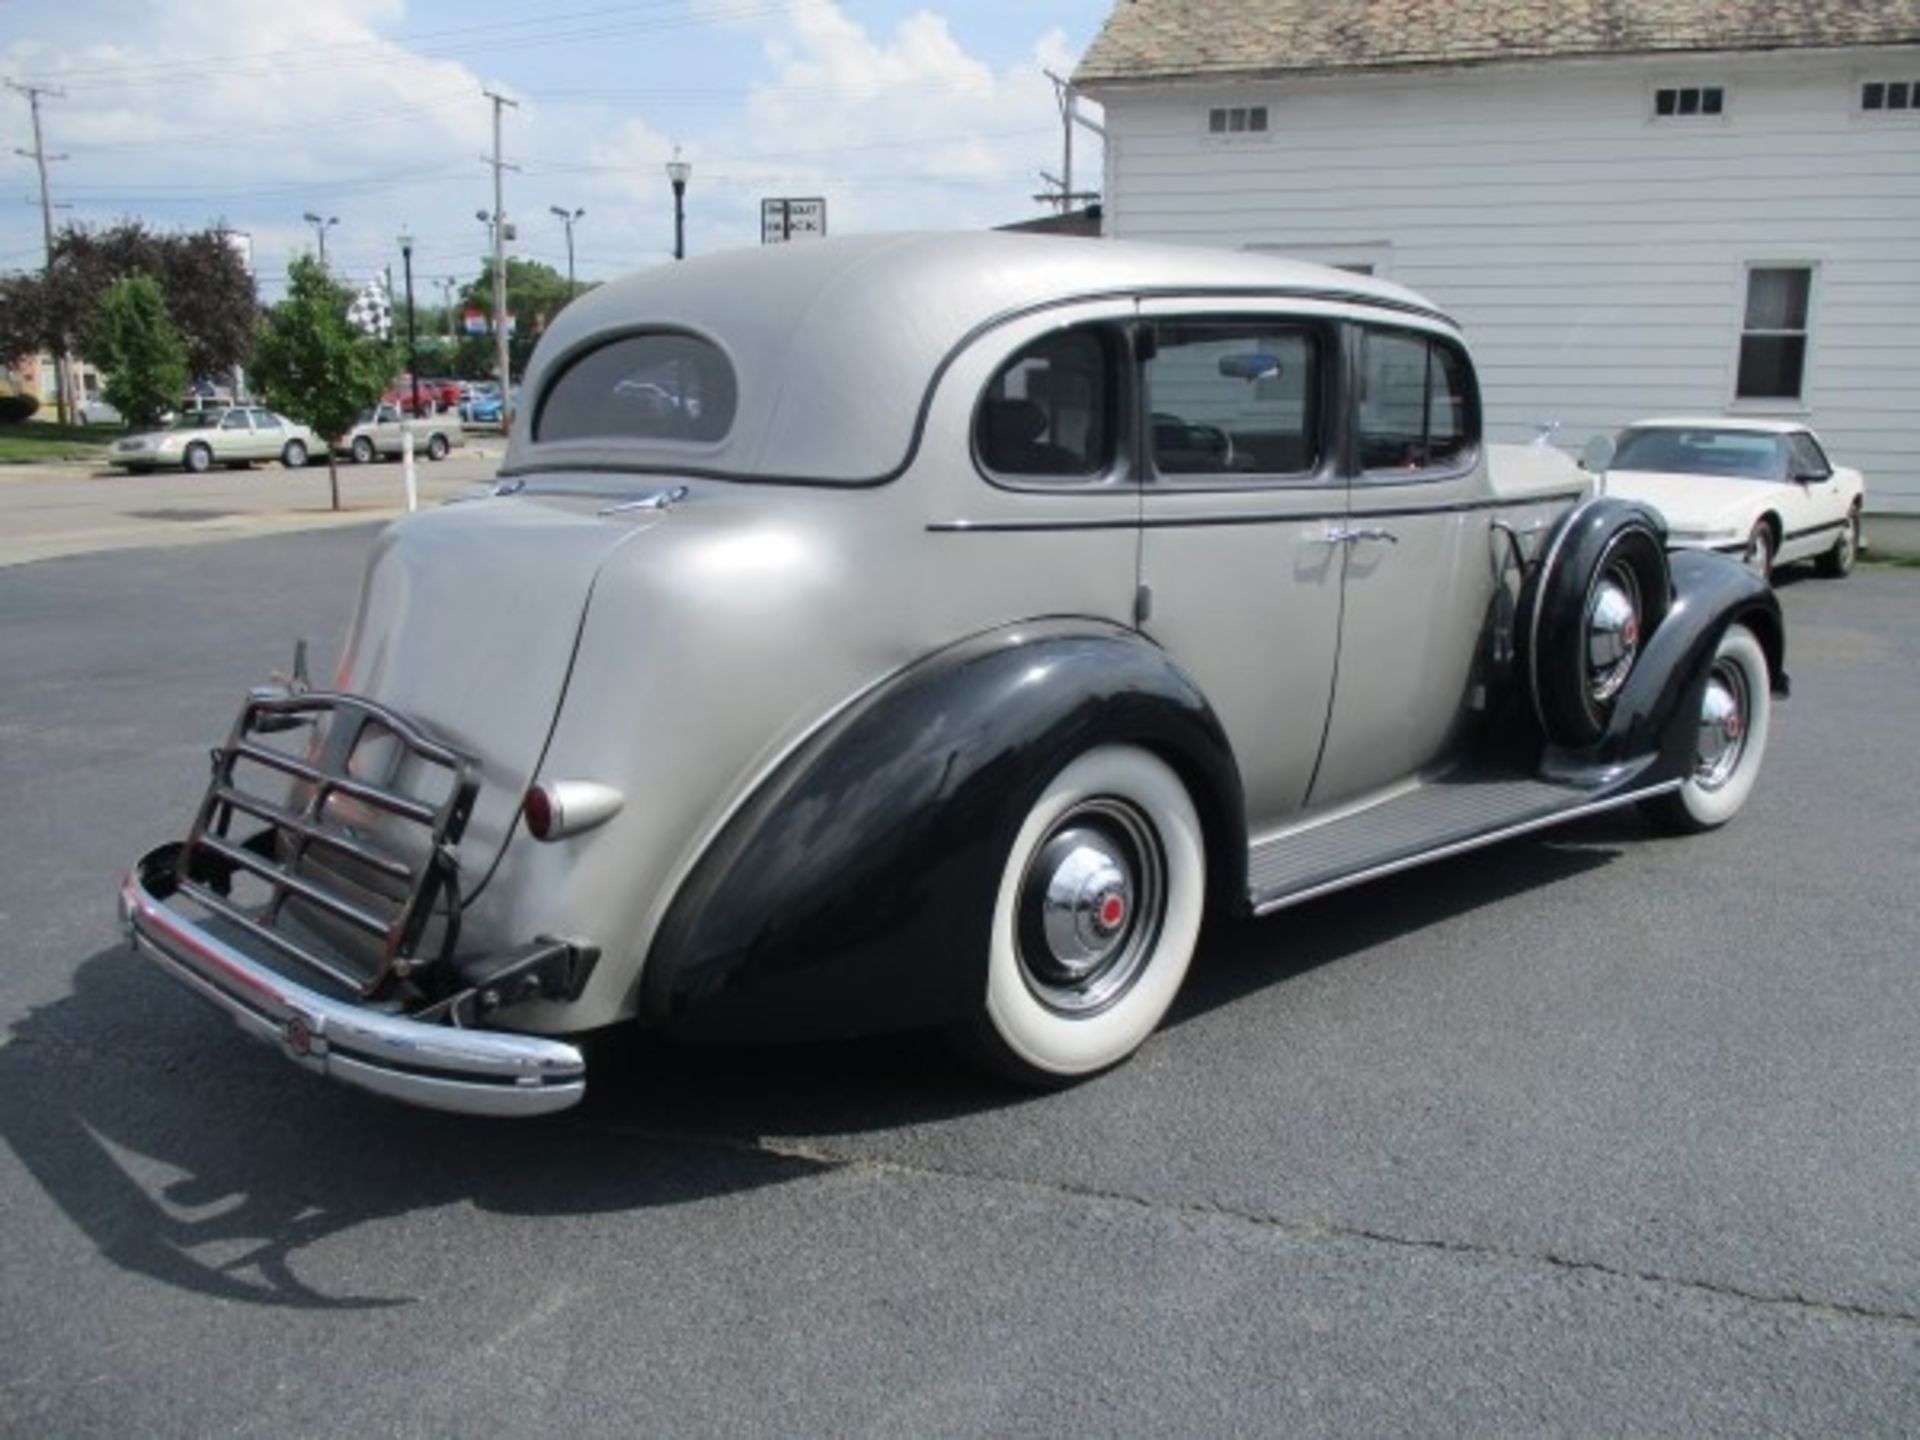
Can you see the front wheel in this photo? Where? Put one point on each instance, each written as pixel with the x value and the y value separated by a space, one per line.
pixel 1095 920
pixel 1735 712
pixel 1758 556
pixel 198 459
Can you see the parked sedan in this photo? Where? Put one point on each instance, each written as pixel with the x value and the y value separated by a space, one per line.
pixel 380 434
pixel 841 650
pixel 233 435
pixel 1761 490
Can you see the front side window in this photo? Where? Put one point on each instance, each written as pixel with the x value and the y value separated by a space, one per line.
pixel 1234 397
pixel 1773 337
pixel 1417 405
pixel 1052 411
pixel 657 386
pixel 234 420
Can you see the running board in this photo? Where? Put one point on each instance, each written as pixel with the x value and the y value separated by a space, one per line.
pixel 1429 821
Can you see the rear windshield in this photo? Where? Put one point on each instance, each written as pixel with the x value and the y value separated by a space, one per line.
pixel 660 386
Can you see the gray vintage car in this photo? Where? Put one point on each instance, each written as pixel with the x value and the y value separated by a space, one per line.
pixel 924 631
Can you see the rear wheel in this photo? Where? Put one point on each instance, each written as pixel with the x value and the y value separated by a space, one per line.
pixel 1839 560
pixel 294 455
pixel 1095 922
pixel 362 450
pixel 1735 712
pixel 437 447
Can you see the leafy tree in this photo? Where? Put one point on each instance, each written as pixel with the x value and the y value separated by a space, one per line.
pixel 135 341
pixel 311 364
pixel 208 291
pixel 535 294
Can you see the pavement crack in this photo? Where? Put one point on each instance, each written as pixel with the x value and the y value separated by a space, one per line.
pixel 826 1158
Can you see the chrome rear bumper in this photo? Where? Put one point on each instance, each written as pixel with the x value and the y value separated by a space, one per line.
pixel 475 1072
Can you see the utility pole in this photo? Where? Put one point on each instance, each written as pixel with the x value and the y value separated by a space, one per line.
pixel 446 284
pixel 1068 100
pixel 500 244
pixel 567 218
pixel 63 399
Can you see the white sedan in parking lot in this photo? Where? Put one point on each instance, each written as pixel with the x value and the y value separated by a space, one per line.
pixel 1763 490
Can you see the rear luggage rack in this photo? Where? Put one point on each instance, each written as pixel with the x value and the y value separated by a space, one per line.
pixel 365 763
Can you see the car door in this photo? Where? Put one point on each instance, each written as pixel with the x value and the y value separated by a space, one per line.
pixel 269 435
pixel 1815 506
pixel 1419 575
pixel 235 440
pixel 1242 492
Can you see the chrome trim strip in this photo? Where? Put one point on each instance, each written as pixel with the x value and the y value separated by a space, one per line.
pixel 474 1072
pixel 1460 847
pixel 1194 522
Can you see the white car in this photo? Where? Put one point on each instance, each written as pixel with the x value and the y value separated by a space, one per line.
pixel 1762 490
pixel 232 435
pixel 381 433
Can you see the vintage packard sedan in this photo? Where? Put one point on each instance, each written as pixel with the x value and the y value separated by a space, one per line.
pixel 924 631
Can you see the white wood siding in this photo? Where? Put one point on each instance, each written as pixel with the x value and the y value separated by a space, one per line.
pixel 1596 256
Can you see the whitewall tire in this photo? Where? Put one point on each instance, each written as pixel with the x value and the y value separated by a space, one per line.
pixel 1736 711
pixel 1095 921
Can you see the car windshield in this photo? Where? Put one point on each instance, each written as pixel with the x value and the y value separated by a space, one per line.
pixel 1738 454
pixel 196 420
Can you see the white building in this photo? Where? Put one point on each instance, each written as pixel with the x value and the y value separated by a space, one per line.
pixel 1633 206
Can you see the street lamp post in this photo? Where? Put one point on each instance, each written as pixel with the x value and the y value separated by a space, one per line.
pixel 320 232
pixel 677 171
pixel 413 363
pixel 567 217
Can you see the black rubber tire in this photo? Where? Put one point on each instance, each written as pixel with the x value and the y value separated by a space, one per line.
pixel 362 450
pixel 1761 548
pixel 293 455
pixel 436 447
pixel 1557 660
pixel 1838 562
pixel 197 460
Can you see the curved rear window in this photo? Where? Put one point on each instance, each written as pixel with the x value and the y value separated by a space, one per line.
pixel 660 386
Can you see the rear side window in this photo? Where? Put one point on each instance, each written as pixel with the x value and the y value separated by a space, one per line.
pixel 659 386
pixel 1051 412
pixel 1235 398
pixel 1418 410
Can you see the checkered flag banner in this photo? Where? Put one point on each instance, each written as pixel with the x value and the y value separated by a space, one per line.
pixel 371 310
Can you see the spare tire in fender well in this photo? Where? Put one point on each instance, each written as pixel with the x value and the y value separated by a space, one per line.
pixel 853 891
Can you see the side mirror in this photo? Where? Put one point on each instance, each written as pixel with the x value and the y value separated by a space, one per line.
pixel 1255 366
pixel 1598 455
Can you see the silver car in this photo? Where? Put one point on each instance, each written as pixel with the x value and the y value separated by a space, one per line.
pixel 926 631
pixel 232 435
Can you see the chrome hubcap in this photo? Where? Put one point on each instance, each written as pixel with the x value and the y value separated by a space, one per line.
pixel 1613 632
pixel 1723 726
pixel 1090 907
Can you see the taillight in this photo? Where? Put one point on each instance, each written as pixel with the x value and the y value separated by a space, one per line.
pixel 555 809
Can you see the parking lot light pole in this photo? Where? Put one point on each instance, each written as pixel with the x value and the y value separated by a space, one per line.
pixel 413 364
pixel 320 232
pixel 567 217
pixel 677 171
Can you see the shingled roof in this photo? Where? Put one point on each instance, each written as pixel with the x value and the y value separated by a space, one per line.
pixel 1190 39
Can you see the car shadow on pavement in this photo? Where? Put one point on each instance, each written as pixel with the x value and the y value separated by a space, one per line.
pixel 190 1156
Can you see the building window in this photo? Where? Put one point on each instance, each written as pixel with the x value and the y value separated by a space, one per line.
pixel 1773 339
pixel 1237 120
pixel 1884 95
pixel 1684 101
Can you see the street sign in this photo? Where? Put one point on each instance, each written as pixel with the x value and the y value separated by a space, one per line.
pixel 788 219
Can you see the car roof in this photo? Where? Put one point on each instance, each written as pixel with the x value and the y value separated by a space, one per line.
pixel 1751 424
pixel 835 341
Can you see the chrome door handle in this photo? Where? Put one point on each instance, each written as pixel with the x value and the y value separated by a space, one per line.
pixel 1345 535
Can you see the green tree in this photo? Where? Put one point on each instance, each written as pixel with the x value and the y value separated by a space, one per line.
pixel 209 293
pixel 535 294
pixel 135 341
pixel 311 364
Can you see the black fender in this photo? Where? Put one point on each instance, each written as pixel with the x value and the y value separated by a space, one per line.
pixel 1551 619
pixel 853 892
pixel 1651 730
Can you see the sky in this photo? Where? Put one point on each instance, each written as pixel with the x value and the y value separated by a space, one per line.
pixel 250 114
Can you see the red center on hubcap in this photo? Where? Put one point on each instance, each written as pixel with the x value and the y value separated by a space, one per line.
pixel 1112 911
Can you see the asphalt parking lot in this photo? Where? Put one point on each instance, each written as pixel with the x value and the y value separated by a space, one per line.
pixel 1592 1133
